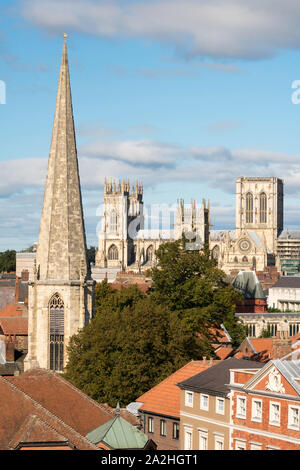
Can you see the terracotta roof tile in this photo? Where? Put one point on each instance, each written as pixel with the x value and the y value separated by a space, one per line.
pixel 66 401
pixel 14 325
pixel 17 407
pixel 164 398
pixel 223 352
pixel 11 310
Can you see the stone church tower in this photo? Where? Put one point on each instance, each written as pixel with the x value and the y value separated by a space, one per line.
pixel 122 219
pixel 61 293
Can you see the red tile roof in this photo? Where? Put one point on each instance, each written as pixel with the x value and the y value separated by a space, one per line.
pixel 164 398
pixel 12 310
pixel 63 399
pixel 16 409
pixel 223 352
pixel 14 326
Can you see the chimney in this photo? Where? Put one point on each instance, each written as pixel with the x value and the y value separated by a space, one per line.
pixel 10 352
pixel 282 345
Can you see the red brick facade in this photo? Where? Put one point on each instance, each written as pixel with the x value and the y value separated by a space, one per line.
pixel 264 414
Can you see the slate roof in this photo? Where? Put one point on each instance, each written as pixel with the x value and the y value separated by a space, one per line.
pixel 118 434
pixel 248 284
pixel 287 282
pixel 164 398
pixel 293 234
pixel 215 379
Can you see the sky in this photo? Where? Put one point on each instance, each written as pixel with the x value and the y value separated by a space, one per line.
pixel 184 95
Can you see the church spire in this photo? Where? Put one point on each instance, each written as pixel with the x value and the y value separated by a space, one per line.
pixel 61 251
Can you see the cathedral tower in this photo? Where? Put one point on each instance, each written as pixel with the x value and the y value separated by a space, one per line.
pixel 61 294
pixel 259 207
pixel 122 218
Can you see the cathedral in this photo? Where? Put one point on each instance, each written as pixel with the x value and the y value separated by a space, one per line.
pixel 259 223
pixel 60 295
pixel 123 241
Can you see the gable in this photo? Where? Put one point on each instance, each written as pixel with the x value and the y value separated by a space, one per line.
pixel 272 381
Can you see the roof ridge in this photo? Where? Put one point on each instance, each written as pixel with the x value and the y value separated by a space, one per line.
pixel 84 395
pixel 30 420
pixel 167 378
pixel 47 412
pixel 73 387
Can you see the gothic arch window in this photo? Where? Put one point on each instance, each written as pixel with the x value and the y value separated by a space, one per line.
pixel 245 259
pixel 57 327
pixel 113 253
pixel 149 253
pixel 263 208
pixel 254 262
pixel 249 208
pixel 235 260
pixel 215 252
pixel 113 221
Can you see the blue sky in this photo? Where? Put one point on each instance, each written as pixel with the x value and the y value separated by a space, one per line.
pixel 185 95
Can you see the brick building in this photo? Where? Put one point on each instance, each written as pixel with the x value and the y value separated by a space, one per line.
pixel 266 407
pixel 160 406
pixel 205 406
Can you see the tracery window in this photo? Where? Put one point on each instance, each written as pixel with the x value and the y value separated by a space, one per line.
pixel 263 208
pixel 113 221
pixel 113 253
pixel 249 208
pixel 56 313
pixel 149 253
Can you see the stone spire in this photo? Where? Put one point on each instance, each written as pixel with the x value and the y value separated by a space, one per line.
pixel 61 252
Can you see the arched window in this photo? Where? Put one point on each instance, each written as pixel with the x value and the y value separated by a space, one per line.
pixel 254 262
pixel 245 259
pixel 57 314
pixel 113 253
pixel 149 253
pixel 235 260
pixel 249 208
pixel 263 208
pixel 113 221
pixel 215 252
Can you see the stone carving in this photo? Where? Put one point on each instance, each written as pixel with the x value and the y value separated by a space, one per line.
pixel 274 383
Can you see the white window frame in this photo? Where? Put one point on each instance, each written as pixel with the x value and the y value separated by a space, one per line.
pixel 150 420
pixel 238 414
pixel 255 446
pixel 202 406
pixel 219 438
pixel 290 424
pixel 218 411
pixel 187 394
pixel 163 428
pixel 188 430
pixel 271 421
pixel 253 417
pixel 203 434
pixel 240 443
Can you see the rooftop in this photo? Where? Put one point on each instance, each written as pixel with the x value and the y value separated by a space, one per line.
pixel 215 379
pixel 164 398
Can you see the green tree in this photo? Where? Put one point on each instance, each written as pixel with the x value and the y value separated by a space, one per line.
pixel 130 345
pixel 8 261
pixel 191 283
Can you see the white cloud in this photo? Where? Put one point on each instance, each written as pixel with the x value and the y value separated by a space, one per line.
pixel 249 29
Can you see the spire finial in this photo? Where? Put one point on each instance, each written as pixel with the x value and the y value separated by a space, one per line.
pixel 65 37
pixel 118 409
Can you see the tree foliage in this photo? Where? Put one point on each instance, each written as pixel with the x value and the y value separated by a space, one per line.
pixel 131 344
pixel 8 261
pixel 135 341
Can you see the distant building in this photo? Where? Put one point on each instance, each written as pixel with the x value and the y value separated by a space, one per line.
pixel 285 294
